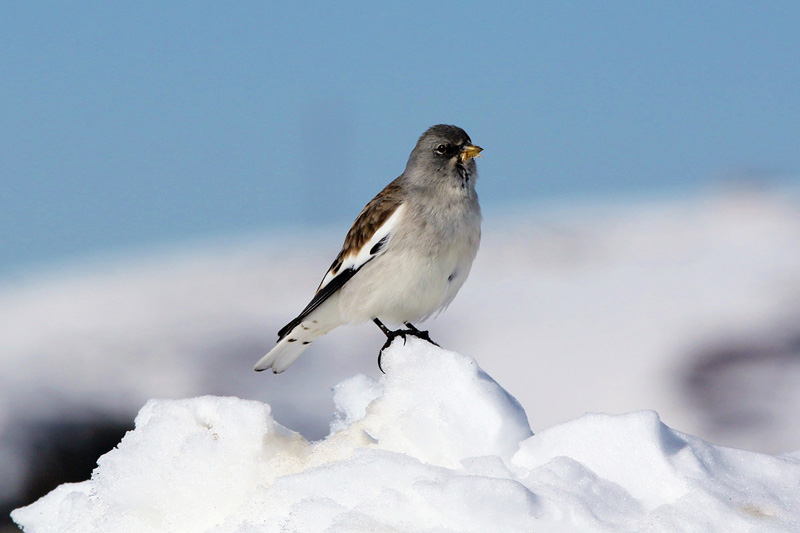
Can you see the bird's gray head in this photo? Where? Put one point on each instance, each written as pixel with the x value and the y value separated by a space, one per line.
pixel 444 155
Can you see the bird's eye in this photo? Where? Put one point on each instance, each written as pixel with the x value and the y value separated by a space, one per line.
pixel 442 148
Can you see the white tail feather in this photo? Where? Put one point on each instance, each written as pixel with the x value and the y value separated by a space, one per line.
pixel 282 355
pixel 291 346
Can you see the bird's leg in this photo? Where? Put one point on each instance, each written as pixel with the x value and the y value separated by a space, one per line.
pixel 390 336
pixel 420 334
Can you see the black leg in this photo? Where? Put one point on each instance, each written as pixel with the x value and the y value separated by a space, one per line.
pixel 386 331
pixel 390 336
pixel 420 334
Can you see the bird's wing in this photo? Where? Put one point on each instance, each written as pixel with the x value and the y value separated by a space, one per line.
pixel 366 240
pixel 353 258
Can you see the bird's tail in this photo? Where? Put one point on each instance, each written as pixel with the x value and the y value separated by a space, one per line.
pixel 290 346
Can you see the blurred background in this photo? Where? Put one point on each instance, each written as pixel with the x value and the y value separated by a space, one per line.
pixel 176 177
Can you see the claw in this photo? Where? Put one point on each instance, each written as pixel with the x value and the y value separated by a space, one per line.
pixel 390 337
pixel 419 334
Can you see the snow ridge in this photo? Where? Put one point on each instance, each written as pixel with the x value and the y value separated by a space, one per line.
pixel 435 445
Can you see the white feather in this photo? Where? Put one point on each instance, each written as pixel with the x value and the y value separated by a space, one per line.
pixel 357 258
pixel 327 316
pixel 299 339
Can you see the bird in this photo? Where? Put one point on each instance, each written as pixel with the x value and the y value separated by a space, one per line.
pixel 406 255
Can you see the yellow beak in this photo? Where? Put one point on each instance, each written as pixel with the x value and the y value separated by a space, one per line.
pixel 470 151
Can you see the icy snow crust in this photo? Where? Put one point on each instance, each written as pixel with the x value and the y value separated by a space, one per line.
pixel 436 445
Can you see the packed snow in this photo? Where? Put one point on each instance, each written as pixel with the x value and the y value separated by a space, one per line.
pixel 435 445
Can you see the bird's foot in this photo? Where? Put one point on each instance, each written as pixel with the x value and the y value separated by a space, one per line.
pixel 390 337
pixel 419 334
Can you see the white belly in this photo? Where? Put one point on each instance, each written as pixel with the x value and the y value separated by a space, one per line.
pixel 404 285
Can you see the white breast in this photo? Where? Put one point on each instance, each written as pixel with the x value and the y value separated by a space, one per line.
pixel 418 276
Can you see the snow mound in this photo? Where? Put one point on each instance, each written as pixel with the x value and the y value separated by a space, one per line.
pixel 436 445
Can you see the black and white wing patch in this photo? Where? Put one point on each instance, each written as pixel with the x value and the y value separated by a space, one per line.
pixel 347 264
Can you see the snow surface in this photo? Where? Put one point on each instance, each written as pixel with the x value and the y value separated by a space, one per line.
pixel 435 445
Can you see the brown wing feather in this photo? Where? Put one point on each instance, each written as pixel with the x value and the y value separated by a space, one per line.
pixel 374 214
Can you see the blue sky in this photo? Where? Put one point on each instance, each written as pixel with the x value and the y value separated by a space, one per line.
pixel 126 126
